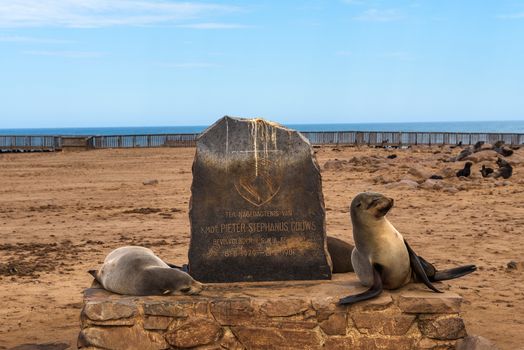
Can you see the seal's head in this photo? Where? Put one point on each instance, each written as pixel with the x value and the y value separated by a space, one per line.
pixel 368 206
pixel 468 165
pixel 173 281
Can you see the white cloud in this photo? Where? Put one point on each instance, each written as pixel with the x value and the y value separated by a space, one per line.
pixel 27 39
pixel 102 13
pixel 212 26
pixel 518 15
pixel 376 15
pixel 66 54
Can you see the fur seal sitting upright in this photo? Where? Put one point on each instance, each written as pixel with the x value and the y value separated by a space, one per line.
pixel 486 171
pixel 133 270
pixel 505 169
pixel 466 171
pixel 381 257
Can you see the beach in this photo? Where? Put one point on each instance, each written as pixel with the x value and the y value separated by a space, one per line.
pixel 61 213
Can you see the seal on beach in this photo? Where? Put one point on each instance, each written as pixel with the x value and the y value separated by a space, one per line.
pixel 466 171
pixel 486 171
pixel 505 169
pixel 382 258
pixel 134 270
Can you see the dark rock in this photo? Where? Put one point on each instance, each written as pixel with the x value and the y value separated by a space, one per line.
pixel 150 182
pixel 475 342
pixel 257 209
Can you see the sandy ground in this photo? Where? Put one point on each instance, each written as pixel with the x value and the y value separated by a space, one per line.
pixel 61 213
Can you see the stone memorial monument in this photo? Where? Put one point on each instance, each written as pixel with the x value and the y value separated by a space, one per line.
pixel 257 209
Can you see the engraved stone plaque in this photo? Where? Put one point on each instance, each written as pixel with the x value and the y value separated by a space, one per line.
pixel 257 210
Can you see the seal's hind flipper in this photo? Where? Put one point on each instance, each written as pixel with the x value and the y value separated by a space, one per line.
pixel 418 268
pixel 435 275
pixel 93 273
pixel 428 268
pixel 454 272
pixel 372 292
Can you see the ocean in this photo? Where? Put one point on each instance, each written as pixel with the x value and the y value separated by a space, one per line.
pixel 481 126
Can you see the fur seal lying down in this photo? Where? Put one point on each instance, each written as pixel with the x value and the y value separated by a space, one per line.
pixel 133 270
pixel 382 258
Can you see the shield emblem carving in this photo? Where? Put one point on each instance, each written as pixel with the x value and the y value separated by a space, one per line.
pixel 258 182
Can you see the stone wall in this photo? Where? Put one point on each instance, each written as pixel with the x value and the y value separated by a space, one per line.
pixel 273 315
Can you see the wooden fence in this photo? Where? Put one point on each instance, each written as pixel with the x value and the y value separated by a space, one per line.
pixel 371 138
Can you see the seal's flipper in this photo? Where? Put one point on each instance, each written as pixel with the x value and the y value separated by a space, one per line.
pixel 428 268
pixel 435 275
pixel 372 292
pixel 454 273
pixel 173 266
pixel 93 273
pixel 418 268
pixel 184 267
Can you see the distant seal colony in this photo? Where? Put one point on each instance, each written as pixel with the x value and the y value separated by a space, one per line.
pixel 133 270
pixel 382 258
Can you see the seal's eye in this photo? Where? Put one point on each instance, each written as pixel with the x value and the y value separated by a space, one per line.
pixel 358 204
pixel 185 290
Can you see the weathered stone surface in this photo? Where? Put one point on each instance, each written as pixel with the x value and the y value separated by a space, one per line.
pixel 256 205
pixel 336 324
pixel 232 312
pixel 121 338
pixel 105 310
pixel 432 344
pixel 198 331
pixel 277 315
pixel 156 322
pixel 284 308
pixel 230 342
pixel 158 308
pixel 339 343
pixel 443 328
pixel 422 302
pixel 377 322
pixel 374 343
pixel 475 342
pixel 270 338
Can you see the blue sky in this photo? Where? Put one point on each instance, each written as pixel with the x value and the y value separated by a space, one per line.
pixel 74 63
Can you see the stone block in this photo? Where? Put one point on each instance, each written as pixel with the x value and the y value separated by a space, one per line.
pixel 121 338
pixel 384 323
pixel 232 312
pixel 271 338
pixel 107 310
pixel 156 322
pixel 339 343
pixel 426 302
pixel 195 332
pixel 336 324
pixel 442 327
pixel 284 307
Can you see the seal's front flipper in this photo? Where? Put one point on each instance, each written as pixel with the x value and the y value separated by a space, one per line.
pixel 418 268
pixel 372 292
pixel 454 272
